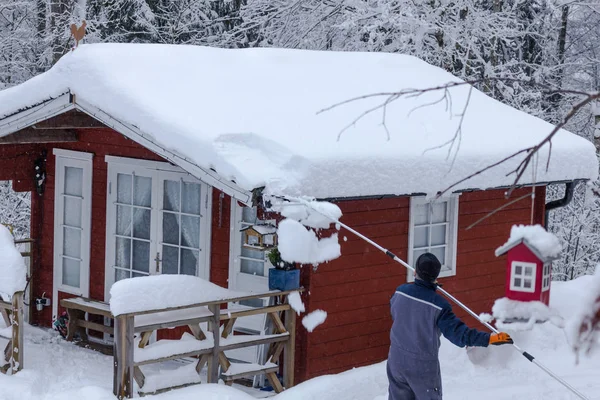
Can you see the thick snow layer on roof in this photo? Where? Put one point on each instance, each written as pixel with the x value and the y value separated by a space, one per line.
pixel 163 291
pixel 252 115
pixel 543 243
pixel 13 271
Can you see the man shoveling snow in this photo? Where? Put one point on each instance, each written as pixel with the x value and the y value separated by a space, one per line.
pixel 420 316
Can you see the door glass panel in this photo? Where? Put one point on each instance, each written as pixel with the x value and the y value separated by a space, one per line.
pixel 121 274
pixel 171 196
pixel 249 214
pixel 141 256
pixel 190 198
pixel 141 223
pixel 123 253
pixel 170 260
pixel 71 272
pixel 189 261
pixel 142 191
pixel 74 181
pixel 190 231
pixel 72 211
pixel 252 267
pixel 171 228
pixel 124 220
pixel 72 242
pixel 124 188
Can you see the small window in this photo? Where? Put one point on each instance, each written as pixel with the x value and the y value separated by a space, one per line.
pixel 523 276
pixel 546 277
pixel 433 230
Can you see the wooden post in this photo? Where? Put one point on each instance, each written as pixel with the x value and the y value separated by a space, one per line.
pixel 123 357
pixel 288 354
pixel 16 361
pixel 214 327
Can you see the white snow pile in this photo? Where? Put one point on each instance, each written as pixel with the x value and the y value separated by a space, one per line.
pixel 583 329
pixel 529 312
pixel 543 243
pixel 281 141
pixel 306 210
pixel 314 319
pixel 296 243
pixel 296 302
pixel 13 272
pixel 163 291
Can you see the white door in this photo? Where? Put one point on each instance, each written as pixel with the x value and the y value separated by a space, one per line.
pixel 157 221
pixel 248 271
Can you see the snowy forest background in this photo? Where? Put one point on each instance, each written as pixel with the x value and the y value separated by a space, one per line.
pixel 510 48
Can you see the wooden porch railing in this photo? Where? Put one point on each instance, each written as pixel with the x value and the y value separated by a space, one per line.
pixel 131 352
pixel 12 314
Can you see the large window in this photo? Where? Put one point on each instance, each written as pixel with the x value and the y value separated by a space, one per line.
pixel 72 221
pixel 522 278
pixel 433 229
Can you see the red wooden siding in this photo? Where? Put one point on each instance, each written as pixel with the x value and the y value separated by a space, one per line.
pixel 356 288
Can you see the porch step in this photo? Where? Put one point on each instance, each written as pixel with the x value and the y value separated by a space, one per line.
pixel 243 370
pixel 170 379
pixel 168 319
pixel 237 341
pixel 166 349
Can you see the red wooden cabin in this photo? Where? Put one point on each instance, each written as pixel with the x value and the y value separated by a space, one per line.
pixel 118 200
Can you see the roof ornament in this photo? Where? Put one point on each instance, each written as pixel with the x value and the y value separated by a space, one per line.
pixel 78 33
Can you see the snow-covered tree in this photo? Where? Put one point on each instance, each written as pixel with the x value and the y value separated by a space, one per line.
pixel 15 209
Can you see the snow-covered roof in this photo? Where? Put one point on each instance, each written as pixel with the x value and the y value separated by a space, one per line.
pixel 252 116
pixel 542 243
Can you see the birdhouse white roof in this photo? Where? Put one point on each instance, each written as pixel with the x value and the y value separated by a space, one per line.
pixel 263 229
pixel 254 116
pixel 542 243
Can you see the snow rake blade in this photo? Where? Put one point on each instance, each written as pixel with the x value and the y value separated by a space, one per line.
pixel 394 257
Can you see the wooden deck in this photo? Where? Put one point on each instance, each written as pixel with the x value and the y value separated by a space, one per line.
pixel 132 333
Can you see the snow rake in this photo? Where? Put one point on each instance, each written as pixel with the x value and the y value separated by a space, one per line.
pixel 394 257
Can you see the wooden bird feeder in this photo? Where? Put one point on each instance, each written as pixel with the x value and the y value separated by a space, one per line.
pixel 260 236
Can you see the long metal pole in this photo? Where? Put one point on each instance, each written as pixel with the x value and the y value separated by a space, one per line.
pixel 444 292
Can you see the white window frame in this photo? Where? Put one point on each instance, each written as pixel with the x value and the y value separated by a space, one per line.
pixel 546 276
pixel 451 233
pixel 158 170
pixel 513 275
pixel 76 159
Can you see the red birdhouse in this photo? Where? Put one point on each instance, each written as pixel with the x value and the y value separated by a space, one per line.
pixel 529 251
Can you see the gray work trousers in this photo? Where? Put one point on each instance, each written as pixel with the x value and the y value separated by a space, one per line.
pixel 413 379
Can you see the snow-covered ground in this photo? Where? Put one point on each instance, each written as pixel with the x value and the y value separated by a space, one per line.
pixel 56 369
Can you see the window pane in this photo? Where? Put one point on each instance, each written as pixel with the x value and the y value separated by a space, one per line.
pixel 171 196
pixel 124 220
pixel 421 237
pixel 74 181
pixel 124 188
pixel 517 282
pixel 137 275
pixel 171 228
pixel 417 253
pixel 121 274
pixel 249 214
pixel 438 211
pixel 528 271
pixel 438 235
pixel 518 270
pixel 141 256
pixel 141 223
pixel 123 253
pixel 527 283
pixel 421 214
pixel 190 203
pixel 142 191
pixel 70 272
pixel 189 261
pixel 72 211
pixel 190 231
pixel 170 260
pixel 72 242
pixel 251 253
pixel 252 267
pixel 440 253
